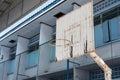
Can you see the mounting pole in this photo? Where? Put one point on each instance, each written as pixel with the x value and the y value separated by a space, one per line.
pixel 67 77
pixel 68 62
pixel 102 65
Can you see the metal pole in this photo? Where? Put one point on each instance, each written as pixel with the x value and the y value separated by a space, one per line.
pixel 18 66
pixel 74 63
pixel 68 67
pixel 67 78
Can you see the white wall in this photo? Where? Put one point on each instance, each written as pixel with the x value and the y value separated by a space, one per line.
pixel 5 51
pixel 31 72
pixel 15 13
pixel 6 68
pixel 20 60
pixel 22 45
pixel 3 21
pixel 29 4
pixel 45 35
pixel 1 70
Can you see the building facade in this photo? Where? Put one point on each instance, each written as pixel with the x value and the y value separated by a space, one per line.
pixel 28 26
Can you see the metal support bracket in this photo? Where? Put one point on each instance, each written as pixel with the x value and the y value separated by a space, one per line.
pixel 68 62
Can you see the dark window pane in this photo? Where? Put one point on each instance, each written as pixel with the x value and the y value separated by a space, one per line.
pixel 97 20
pixel 98 35
pixel 114 29
pixel 106 31
pixel 110 14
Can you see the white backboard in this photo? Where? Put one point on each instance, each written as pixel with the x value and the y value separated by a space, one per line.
pixel 75 32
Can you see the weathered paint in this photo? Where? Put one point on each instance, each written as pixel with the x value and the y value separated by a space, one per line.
pixel 77 28
pixel 75 33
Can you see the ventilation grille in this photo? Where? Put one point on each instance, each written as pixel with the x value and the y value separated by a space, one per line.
pixel 99 74
pixel 104 4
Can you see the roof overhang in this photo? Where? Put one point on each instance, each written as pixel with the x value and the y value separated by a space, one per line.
pixel 29 18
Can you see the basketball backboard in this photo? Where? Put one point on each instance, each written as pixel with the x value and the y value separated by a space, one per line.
pixel 75 37
pixel 75 32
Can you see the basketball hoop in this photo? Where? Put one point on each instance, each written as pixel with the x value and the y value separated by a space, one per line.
pixel 64 42
pixel 52 42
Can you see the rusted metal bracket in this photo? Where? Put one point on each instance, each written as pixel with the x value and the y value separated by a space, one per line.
pixel 102 65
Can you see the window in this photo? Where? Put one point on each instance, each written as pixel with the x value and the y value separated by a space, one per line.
pixel 114 28
pixel 98 35
pixel 111 29
pixel 110 14
pixel 107 28
pixel 53 50
pixel 34 39
pixel 97 20
pixel 11 66
pixel 32 56
pixel 32 59
pixel 34 47
pixel 52 53
pixel 106 31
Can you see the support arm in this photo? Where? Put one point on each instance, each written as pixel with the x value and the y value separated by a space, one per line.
pixel 102 65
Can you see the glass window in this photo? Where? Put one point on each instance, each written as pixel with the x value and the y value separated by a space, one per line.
pixel 34 47
pixel 105 26
pixel 33 58
pixel 12 64
pixel 110 14
pixel 110 29
pixel 114 28
pixel 97 20
pixel 52 53
pixel 98 35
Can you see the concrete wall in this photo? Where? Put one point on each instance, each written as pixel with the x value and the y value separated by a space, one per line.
pixel 1 70
pixel 117 79
pixel 45 49
pixel 5 51
pixel 6 69
pixel 18 9
pixel 81 74
pixel 4 66
pixel 21 54
pixel 32 72
pixel 45 66
pixel 10 77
